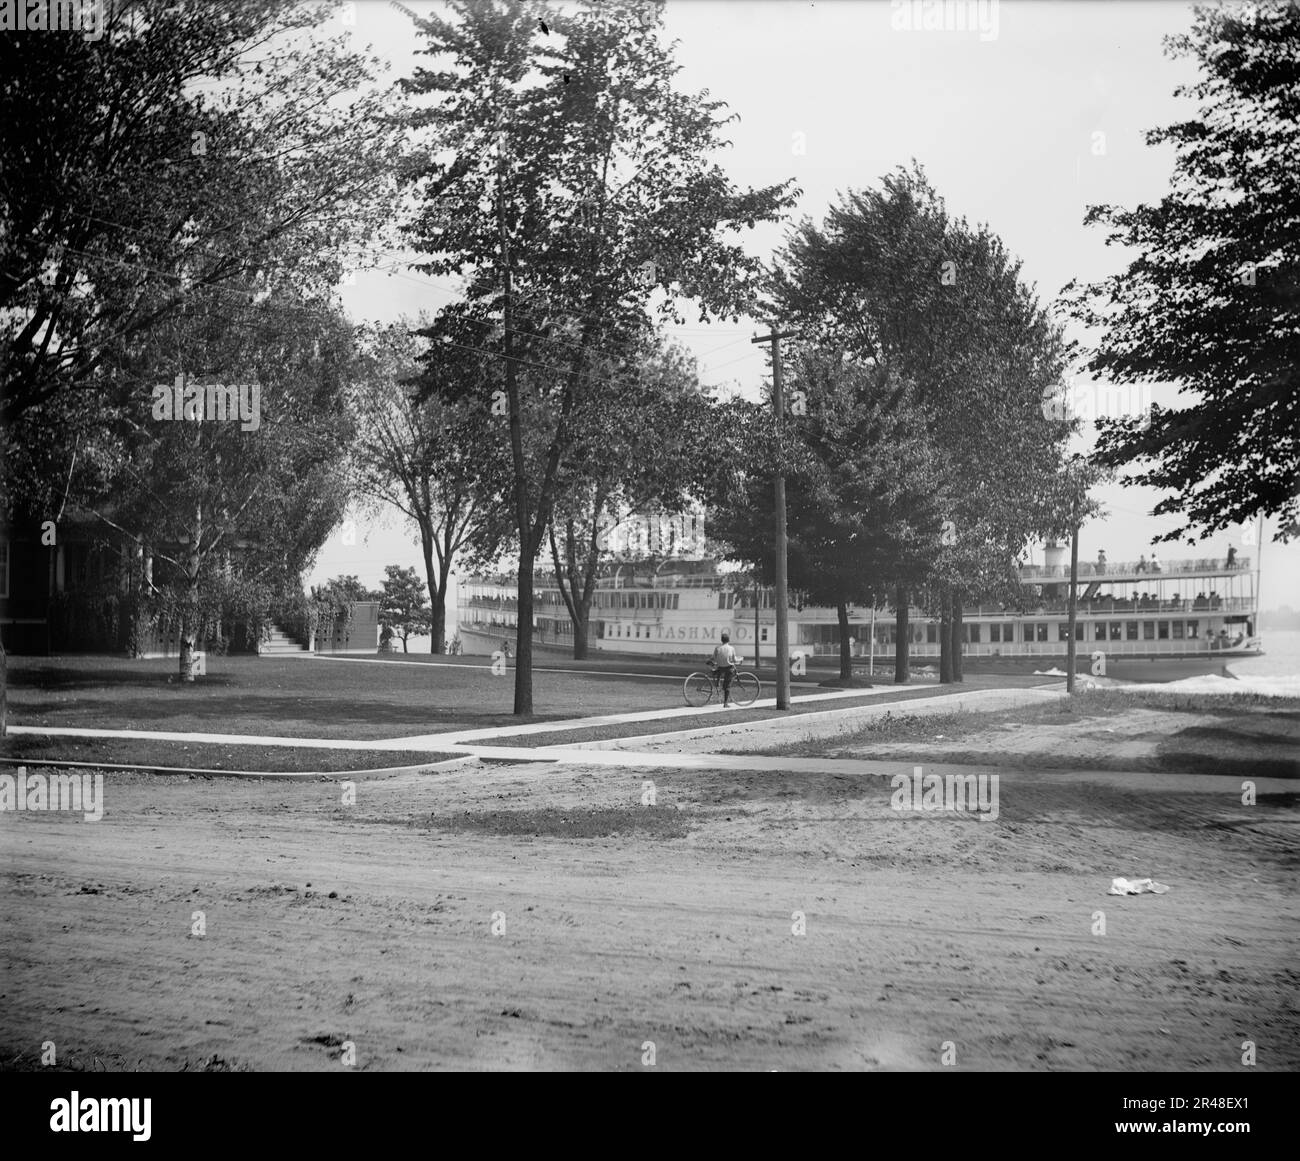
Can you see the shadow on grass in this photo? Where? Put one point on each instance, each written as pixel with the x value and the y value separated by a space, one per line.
pixel 146 753
pixel 1257 745
pixel 249 713
pixel 57 680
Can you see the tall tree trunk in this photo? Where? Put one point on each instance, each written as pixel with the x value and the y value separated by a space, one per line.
pixel 902 649
pixel 582 623
pixel 523 522
pixel 957 597
pixel 524 633
pixel 945 636
pixel 439 627
pixel 437 592
pixel 4 690
pixel 187 648
pixel 577 591
pixel 190 606
pixel 846 657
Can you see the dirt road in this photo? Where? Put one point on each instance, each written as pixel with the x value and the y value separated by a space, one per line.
pixel 512 917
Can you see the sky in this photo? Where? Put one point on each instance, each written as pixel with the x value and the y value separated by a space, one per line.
pixel 1021 113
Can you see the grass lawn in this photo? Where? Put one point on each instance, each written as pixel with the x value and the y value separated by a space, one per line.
pixel 351 699
pixel 306 698
pixel 35 750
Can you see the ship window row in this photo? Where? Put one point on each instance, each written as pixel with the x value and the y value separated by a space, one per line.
pixel 765 599
pixel 617 600
pixel 618 630
pixel 974 632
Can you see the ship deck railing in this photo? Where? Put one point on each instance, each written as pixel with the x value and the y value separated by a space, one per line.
pixel 1118 607
pixel 1046 650
pixel 1136 571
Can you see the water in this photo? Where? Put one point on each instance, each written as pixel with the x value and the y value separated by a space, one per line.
pixel 1281 656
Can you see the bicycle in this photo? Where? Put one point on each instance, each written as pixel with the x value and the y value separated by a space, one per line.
pixel 701 688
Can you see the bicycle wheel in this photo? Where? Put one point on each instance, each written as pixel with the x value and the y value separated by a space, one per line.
pixel 745 688
pixel 699 689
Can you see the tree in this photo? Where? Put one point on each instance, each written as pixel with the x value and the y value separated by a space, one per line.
pixel 892 278
pixel 229 506
pixel 403 608
pixel 1212 300
pixel 569 178
pixel 193 147
pixel 432 458
pixel 636 448
pixel 859 487
pixel 347 590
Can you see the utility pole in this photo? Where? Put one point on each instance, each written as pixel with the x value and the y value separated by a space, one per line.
pixel 1074 591
pixel 782 600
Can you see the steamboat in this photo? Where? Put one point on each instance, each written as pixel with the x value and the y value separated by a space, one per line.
pixel 1152 620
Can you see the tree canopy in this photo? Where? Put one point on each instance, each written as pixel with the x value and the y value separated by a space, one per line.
pixel 569 182
pixel 1211 302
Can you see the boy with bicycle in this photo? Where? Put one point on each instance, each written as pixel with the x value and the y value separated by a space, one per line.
pixel 724 662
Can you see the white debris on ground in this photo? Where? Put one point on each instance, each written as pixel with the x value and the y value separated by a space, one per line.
pixel 1136 887
pixel 1288 686
pixel 1053 672
pixel 1208 683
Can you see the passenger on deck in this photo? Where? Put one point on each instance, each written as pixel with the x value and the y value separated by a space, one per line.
pixel 1232 556
pixel 1155 563
pixel 1141 564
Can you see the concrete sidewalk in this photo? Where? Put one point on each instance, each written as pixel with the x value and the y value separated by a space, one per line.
pixel 461 736
pixel 465 738
pixel 827 724
pixel 686 749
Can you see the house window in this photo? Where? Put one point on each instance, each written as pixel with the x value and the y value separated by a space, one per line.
pixel 1009 634
pixel 1130 630
pixel 1148 630
pixel 1178 630
pixel 1062 630
pixel 975 633
pixel 763 637
pixel 1116 631
pixel 1042 631
pixel 1099 630
pixel 1162 630
pixel 932 633
pixel 1192 627
pixel 995 634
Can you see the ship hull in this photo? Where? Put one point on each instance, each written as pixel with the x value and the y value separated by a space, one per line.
pixel 1155 668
